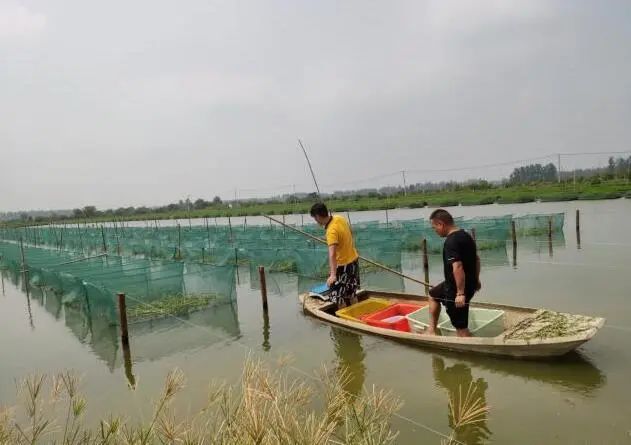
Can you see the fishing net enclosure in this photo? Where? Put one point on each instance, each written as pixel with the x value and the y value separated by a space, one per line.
pixel 180 268
pixel 153 287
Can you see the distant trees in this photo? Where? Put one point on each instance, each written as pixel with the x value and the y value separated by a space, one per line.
pixel 534 173
pixel 619 168
pixel 89 211
pixel 200 204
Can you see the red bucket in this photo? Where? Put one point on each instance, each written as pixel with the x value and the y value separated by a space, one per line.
pixel 393 317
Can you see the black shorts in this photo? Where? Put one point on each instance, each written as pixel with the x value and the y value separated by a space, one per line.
pixel 459 316
pixel 347 283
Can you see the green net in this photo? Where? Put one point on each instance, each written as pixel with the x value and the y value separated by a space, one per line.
pixel 152 263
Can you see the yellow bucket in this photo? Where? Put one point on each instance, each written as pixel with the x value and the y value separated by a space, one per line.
pixel 366 307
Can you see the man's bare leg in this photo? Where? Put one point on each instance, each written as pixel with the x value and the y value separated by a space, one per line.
pixel 434 313
pixel 463 332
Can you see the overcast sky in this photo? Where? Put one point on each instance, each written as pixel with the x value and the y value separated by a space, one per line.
pixel 144 102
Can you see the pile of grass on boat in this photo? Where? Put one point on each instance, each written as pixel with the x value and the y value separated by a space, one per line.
pixel 550 324
pixel 171 305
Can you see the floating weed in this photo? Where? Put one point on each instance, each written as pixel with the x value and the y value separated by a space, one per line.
pixel 550 324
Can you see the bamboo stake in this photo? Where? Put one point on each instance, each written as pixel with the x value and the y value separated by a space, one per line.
pixel 208 233
pixel 103 237
pixel 578 228
pixel 122 312
pixel 514 237
pixel 263 288
pixel 369 261
pixel 550 235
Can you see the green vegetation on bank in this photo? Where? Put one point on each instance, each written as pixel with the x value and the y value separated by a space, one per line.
pixel 481 193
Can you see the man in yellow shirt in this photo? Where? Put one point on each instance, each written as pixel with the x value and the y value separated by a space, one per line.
pixel 343 257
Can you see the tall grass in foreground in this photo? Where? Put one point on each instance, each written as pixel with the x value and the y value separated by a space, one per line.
pixel 266 407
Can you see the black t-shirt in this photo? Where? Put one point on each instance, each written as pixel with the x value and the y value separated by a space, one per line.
pixel 459 246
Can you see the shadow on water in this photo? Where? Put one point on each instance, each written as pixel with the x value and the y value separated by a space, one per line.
pixel 457 380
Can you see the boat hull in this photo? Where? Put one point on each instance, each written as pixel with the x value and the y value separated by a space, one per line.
pixel 495 346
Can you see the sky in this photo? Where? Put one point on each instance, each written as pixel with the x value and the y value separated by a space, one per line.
pixel 148 102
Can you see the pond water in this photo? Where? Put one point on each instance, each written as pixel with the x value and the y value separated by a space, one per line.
pixel 580 398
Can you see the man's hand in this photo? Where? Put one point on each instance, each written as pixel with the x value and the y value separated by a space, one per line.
pixel 331 280
pixel 460 300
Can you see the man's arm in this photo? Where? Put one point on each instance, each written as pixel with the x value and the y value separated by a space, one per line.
pixel 332 265
pixel 459 277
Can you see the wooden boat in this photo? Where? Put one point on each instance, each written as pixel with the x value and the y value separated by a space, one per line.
pixel 504 344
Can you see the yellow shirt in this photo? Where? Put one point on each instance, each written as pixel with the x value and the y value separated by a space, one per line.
pixel 338 232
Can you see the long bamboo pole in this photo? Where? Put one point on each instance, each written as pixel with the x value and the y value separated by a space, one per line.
pixel 368 260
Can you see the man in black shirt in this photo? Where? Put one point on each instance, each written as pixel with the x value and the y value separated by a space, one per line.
pixel 462 274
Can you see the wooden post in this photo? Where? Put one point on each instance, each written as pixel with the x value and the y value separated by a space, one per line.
pixel 550 227
pixel 118 241
pixel 80 237
pixel 203 256
pixel 122 309
pixel 425 265
pixel 266 343
pixel 284 231
pixel 514 237
pixel 122 312
pixel 302 220
pixel 230 227
pixel 473 233
pixel 578 228
pixel 179 241
pixel 245 223
pixel 263 288
pixel 103 238
pixel 387 219
pixel 208 234
pixel 236 263
pixel 61 239
pixel 23 257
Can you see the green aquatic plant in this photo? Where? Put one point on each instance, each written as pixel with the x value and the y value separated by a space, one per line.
pixel 177 304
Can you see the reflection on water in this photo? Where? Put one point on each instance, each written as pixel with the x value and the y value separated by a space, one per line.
pixel 266 332
pixel 350 359
pixel 572 372
pixel 457 380
pixel 89 320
